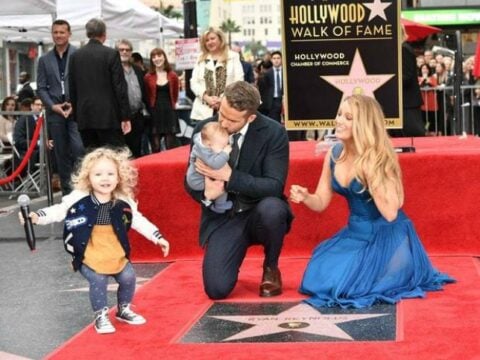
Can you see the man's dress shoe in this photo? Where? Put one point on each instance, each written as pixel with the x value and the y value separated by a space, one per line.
pixel 271 282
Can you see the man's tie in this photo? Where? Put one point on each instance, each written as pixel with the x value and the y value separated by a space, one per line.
pixel 278 83
pixel 235 151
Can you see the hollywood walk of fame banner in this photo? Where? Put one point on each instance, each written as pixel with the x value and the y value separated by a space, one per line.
pixel 335 48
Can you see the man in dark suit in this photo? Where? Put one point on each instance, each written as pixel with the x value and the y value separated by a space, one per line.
pixel 275 94
pixel 254 181
pixel 265 87
pixel 275 79
pixel 26 92
pixel 412 98
pixel 136 97
pixel 24 130
pixel 98 91
pixel 52 84
pixel 247 67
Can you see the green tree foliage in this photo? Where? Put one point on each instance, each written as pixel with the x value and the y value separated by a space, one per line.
pixel 229 26
pixel 256 49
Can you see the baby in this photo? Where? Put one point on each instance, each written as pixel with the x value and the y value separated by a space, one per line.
pixel 211 145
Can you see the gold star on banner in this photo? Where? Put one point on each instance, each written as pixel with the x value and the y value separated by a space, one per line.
pixel 357 81
pixel 301 318
pixel 377 8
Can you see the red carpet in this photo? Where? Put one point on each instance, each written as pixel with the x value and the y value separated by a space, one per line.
pixel 441 198
pixel 440 189
pixel 443 326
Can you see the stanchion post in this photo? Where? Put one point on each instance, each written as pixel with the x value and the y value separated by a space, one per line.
pixel 457 83
pixel 48 160
pixel 189 31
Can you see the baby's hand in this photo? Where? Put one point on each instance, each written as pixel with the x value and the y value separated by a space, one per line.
pixel 33 216
pixel 160 240
pixel 228 148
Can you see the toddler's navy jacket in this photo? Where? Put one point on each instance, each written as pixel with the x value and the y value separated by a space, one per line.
pixel 80 209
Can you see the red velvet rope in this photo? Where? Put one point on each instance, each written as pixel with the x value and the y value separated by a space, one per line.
pixel 28 154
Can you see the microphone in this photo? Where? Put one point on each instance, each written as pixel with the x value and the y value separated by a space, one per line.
pixel 24 202
pixel 405 149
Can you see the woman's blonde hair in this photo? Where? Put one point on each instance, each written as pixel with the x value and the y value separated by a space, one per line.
pixel 377 161
pixel 127 173
pixel 223 44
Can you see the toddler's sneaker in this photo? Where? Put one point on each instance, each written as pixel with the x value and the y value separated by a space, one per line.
pixel 102 322
pixel 127 315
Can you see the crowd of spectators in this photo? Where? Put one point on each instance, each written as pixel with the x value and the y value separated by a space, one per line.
pixel 145 94
pixel 436 79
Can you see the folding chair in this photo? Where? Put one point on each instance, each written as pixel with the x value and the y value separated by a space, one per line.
pixel 6 160
pixel 30 180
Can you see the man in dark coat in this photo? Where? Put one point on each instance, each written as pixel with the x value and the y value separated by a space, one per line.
pixel 23 133
pixel 412 98
pixel 98 91
pixel 136 97
pixel 26 92
pixel 247 67
pixel 254 180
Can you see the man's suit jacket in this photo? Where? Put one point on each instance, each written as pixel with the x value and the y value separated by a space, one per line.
pixel 261 171
pixel 265 87
pixel 271 76
pixel 139 74
pixel 412 98
pixel 23 133
pixel 49 83
pixel 247 72
pixel 98 90
pixel 26 92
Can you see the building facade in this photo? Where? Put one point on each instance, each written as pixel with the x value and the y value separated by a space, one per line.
pixel 258 20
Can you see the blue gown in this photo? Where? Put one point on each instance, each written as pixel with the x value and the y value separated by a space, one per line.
pixel 370 260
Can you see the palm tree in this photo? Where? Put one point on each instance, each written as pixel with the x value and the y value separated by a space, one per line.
pixel 168 11
pixel 229 26
pixel 256 48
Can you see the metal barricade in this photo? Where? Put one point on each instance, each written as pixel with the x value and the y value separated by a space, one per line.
pixel 35 178
pixel 183 110
pixel 443 118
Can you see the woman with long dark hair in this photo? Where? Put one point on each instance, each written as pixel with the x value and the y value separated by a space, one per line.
pixel 161 87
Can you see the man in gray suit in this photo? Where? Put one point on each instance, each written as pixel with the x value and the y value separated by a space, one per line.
pixel 99 91
pixel 52 83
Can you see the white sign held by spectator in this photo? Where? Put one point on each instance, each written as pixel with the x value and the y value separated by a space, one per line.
pixel 186 53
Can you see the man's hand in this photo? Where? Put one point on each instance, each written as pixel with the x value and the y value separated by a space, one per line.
pixel 126 126
pixel 64 109
pixel 67 109
pixel 222 174
pixel 213 188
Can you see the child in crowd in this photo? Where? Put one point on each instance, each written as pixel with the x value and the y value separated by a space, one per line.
pixel 98 214
pixel 211 145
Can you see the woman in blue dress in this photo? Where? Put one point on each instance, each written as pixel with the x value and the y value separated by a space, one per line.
pixel 378 256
